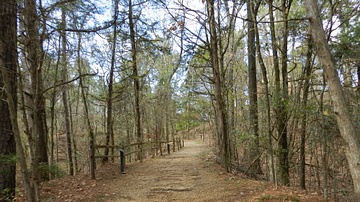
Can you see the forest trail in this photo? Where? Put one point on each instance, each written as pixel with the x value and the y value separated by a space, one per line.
pixel 181 176
pixel 186 175
pixel 192 175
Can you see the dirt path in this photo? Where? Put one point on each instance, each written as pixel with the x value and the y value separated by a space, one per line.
pixel 187 176
pixel 178 177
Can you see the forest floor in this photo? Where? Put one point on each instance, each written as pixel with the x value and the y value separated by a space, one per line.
pixel 190 174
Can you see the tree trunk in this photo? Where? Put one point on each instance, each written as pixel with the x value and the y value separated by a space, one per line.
pixel 34 56
pixel 281 92
pixel 358 75
pixel 10 134
pixel 221 114
pixel 283 102
pixel 8 61
pixel 253 150
pixel 30 185
pixel 345 124
pixel 306 75
pixel 109 117
pixel 87 114
pixel 136 79
pixel 268 107
pixel 65 93
pixel 52 119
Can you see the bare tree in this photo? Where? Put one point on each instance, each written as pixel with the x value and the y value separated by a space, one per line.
pixel 306 75
pixel 136 79
pixel 65 93
pixel 253 151
pixel 221 114
pixel 34 56
pixel 281 87
pixel 269 132
pixel 343 118
pixel 109 101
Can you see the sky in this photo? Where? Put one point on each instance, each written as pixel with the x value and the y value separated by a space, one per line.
pixel 156 14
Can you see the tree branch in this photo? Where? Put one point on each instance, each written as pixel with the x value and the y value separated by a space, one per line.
pixel 67 82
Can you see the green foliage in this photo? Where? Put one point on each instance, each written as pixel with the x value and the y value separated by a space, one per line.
pixel 298 12
pixel 193 111
pixel 8 158
pixel 194 105
pixel 6 195
pixel 344 192
pixel 187 120
pixel 348 40
pixel 245 136
pixel 265 197
pixel 54 170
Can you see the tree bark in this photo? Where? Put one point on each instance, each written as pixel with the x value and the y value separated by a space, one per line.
pixel 281 92
pixel 306 75
pixel 283 101
pixel 136 79
pixel 9 131
pixel 109 117
pixel 268 108
pixel 221 114
pixel 253 151
pixel 52 118
pixel 30 185
pixel 65 93
pixel 343 118
pixel 86 112
pixel 8 61
pixel 34 57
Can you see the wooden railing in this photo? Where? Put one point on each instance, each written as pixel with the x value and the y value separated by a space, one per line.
pixel 142 150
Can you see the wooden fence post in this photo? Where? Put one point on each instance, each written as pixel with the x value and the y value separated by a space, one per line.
pixel 141 151
pixel 92 159
pixel 122 161
pixel 168 148
pixel 173 144
pixel 177 141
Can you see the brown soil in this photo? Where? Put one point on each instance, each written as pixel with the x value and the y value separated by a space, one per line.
pixel 187 175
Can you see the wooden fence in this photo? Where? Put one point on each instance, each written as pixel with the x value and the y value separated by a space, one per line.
pixel 140 149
